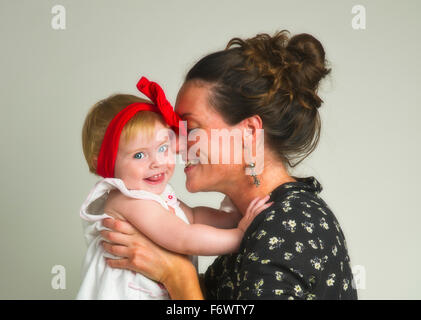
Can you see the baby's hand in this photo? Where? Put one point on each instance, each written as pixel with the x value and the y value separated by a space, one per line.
pixel 256 206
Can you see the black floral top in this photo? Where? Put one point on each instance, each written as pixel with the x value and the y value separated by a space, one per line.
pixel 295 249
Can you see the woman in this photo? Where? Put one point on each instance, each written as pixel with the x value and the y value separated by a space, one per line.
pixel 293 250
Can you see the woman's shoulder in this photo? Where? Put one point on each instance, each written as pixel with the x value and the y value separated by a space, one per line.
pixel 298 214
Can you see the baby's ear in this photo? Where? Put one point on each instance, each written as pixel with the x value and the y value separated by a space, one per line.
pixel 94 162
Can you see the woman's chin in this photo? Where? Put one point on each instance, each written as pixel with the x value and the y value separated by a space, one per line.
pixel 191 187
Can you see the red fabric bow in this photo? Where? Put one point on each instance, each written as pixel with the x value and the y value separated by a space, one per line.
pixel 109 147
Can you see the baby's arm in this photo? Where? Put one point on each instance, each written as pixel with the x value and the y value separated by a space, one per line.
pixel 211 217
pixel 170 232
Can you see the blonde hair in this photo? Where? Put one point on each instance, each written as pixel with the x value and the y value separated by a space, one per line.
pixel 101 114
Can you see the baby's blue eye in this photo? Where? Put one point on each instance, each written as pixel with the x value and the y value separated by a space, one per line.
pixel 163 148
pixel 139 155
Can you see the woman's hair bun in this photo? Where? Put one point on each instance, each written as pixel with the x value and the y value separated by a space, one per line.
pixel 294 66
pixel 310 57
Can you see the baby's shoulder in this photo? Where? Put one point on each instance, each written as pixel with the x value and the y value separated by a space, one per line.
pixel 114 204
pixel 122 205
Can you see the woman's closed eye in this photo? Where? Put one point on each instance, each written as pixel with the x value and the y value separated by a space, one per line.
pixel 190 130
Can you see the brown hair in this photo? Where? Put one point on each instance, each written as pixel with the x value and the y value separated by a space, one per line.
pixel 275 77
pixel 101 114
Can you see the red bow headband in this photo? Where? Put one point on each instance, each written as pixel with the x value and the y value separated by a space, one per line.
pixel 109 146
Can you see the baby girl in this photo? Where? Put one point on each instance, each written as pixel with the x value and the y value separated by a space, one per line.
pixel 130 143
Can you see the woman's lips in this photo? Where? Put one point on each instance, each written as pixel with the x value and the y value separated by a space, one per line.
pixel 189 168
pixel 190 165
pixel 156 179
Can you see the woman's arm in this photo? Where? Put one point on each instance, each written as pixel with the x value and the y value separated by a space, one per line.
pixel 139 254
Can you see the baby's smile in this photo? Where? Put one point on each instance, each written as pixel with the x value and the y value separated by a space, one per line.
pixel 156 179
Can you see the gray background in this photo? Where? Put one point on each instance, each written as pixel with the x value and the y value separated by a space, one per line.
pixel 367 161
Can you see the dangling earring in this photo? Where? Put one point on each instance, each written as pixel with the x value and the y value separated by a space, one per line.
pixel 256 181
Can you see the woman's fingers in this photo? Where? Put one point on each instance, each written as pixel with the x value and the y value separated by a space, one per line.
pixel 120 251
pixel 116 237
pixel 119 264
pixel 119 226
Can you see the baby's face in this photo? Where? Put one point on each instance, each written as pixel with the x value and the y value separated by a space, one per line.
pixel 146 164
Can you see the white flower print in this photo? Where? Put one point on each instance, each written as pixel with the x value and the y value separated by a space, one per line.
pixel 308 226
pixel 322 211
pixel 305 204
pixel 324 224
pixel 337 226
pixel 286 206
pixel 291 197
pixel 270 217
pixel 339 241
pixel 311 296
pixel 278 292
pixel 298 291
pixel 345 284
pixel 316 203
pixel 313 244
pixel 279 275
pixel 299 247
pixel 334 250
pixel 288 256
pixel 308 215
pixel 266 261
pixel 257 287
pixel 331 280
pixel 253 257
pixel 275 242
pixel 289 225
pixel 321 243
pixel 261 234
pixel 316 263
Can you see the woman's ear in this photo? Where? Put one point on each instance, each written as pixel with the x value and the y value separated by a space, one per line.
pixel 251 127
pixel 253 136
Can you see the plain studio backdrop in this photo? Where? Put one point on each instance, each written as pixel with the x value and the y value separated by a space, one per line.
pixel 368 159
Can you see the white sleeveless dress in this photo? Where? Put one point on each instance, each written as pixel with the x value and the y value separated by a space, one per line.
pixel 99 281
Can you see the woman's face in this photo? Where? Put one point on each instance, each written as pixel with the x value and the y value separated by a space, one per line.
pixel 209 175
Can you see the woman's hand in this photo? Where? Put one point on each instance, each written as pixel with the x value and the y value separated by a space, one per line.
pixel 139 254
